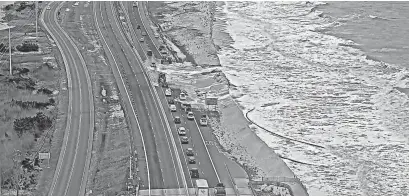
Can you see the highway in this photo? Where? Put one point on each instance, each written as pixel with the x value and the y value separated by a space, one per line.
pixel 163 163
pixel 70 176
pixel 204 161
pixel 211 162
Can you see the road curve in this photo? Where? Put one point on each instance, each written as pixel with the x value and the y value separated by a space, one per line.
pixel 211 161
pixel 70 176
pixel 160 156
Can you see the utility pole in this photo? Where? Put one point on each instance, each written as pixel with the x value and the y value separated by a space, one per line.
pixel 11 71
pixel 1 181
pixel 36 4
pixel 17 160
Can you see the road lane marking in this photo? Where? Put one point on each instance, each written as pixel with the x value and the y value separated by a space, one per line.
pixel 126 91
pixel 143 96
pixel 90 133
pixel 68 126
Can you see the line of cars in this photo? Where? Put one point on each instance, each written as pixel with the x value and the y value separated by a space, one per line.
pixel 181 130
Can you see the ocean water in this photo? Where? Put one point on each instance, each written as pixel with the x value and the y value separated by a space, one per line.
pixel 328 74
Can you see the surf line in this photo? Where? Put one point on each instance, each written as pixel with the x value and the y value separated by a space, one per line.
pixel 278 135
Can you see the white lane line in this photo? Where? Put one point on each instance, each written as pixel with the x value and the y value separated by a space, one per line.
pixel 90 98
pixel 126 91
pixel 207 150
pixel 164 117
pixel 68 126
pixel 214 168
pixel 81 111
pixel 143 96
pixel 163 113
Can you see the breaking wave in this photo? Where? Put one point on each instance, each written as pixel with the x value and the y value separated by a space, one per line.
pixel 325 90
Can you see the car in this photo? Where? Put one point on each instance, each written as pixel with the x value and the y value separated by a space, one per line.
pixel 181 131
pixel 144 33
pixel 76 3
pixel 135 4
pixel 153 64
pixel 48 8
pixel 191 160
pixel 189 152
pixel 188 109
pixel 194 173
pixel 190 116
pixel 142 39
pixel 203 121
pixel 172 107
pixel 161 47
pixel 184 140
pixel 177 120
pixel 156 35
pixel 163 52
pixel 171 101
pixel 138 27
pixel 168 92
pixel 182 96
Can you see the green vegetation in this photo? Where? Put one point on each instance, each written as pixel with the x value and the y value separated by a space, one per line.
pixel 27 47
pixel 36 124
pixel 23 6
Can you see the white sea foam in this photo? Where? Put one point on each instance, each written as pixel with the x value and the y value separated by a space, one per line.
pixel 316 88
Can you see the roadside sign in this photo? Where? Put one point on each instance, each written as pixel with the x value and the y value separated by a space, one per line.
pixel 43 155
pixel 211 101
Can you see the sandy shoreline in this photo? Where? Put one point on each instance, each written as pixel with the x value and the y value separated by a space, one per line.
pixel 235 134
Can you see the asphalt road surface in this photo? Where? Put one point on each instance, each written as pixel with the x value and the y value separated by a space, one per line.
pixel 211 162
pixel 164 163
pixel 72 168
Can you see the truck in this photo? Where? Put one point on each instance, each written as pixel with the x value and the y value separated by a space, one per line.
pixel 202 188
pixel 219 190
pixel 162 80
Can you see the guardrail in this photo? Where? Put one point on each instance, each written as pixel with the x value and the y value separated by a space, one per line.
pixel 236 191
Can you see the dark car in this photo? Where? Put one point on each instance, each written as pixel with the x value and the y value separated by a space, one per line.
pixel 191 160
pixel 171 101
pixel 188 109
pixel 184 140
pixel 194 173
pixel 189 152
pixel 177 120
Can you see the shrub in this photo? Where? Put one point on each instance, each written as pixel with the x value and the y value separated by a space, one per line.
pixel 40 121
pixel 8 7
pixel 45 91
pixel 21 7
pixel 23 83
pixel 27 47
pixel 33 104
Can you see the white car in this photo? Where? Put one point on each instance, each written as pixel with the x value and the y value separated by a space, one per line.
pixel 172 108
pixel 190 116
pixel 156 35
pixel 168 92
pixel 142 39
pixel 182 96
pixel 181 131
pixel 48 8
pixel 144 33
pixel 203 121
pixel 76 3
